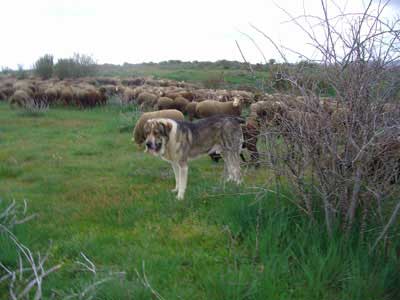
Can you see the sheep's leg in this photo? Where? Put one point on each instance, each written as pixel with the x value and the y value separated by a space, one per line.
pixel 175 167
pixel 183 173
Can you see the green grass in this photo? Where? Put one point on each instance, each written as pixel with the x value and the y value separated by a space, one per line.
pixel 97 193
pixel 232 78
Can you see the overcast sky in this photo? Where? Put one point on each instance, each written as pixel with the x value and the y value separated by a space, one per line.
pixel 118 31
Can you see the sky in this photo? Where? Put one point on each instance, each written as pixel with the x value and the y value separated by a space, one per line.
pixel 118 31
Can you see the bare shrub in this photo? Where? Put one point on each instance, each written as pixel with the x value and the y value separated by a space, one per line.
pixel 14 214
pixel 342 155
pixel 25 279
pixel 30 104
pixel 29 274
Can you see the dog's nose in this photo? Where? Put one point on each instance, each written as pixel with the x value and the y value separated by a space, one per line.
pixel 148 144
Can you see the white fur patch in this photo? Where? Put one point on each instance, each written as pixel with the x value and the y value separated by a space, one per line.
pixel 236 102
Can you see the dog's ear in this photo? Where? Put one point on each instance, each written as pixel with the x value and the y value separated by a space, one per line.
pixel 167 126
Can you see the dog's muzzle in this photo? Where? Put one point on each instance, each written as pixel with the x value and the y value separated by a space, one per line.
pixel 153 147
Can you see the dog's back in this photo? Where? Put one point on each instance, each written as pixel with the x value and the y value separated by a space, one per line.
pixel 203 135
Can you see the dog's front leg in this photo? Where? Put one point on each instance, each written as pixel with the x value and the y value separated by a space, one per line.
pixel 183 173
pixel 175 167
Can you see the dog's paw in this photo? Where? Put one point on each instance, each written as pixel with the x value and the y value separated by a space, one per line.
pixel 174 190
pixel 180 196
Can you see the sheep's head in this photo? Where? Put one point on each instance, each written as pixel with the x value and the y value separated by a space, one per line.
pixel 236 102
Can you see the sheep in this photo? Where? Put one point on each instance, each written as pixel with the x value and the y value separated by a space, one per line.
pixel 187 95
pixel 3 96
pixel 172 94
pixel 6 90
pixel 180 103
pixel 66 95
pixel 133 81
pixel 138 134
pixel 191 110
pixel 19 98
pixel 269 112
pixel 138 90
pixel 106 81
pixel 164 103
pixel 88 96
pixel 108 89
pixel 209 108
pixel 26 86
pixel 147 100
pixel 51 94
pixel 128 94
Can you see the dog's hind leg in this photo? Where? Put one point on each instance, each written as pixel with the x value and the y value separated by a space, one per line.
pixel 232 164
pixel 175 167
pixel 183 174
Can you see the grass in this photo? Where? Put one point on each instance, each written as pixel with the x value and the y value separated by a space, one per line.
pixel 95 192
pixel 232 77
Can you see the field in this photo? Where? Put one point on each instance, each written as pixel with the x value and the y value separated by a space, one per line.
pixel 212 74
pixel 95 192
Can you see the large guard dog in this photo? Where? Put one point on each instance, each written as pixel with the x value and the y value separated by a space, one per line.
pixel 179 141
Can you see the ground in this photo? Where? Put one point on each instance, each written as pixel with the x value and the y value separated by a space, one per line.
pixel 95 192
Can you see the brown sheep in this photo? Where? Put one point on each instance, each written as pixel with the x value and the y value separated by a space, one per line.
pixel 138 90
pixel 172 94
pixel 128 95
pixel 6 91
pixel 187 95
pixel 138 134
pixel 108 89
pixel 147 100
pixel 269 112
pixel 66 95
pixel 26 86
pixel 180 103
pixel 51 94
pixel 19 98
pixel 164 103
pixel 210 108
pixel 191 110
pixel 3 96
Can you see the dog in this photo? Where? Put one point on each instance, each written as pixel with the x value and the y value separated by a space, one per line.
pixel 180 141
pixel 250 138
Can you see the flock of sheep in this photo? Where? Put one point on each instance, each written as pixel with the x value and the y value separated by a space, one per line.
pixel 261 110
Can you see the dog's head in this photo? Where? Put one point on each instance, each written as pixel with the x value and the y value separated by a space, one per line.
pixel 157 133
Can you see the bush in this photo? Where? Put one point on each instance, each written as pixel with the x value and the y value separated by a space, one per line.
pixel 6 70
pixel 21 73
pixel 80 65
pixel 44 66
pixel 64 68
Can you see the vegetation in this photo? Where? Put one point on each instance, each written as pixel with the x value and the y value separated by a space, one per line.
pixel 44 66
pixel 80 65
pixel 220 243
pixel 21 73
